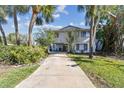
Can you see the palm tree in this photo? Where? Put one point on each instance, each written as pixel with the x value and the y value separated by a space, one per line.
pixel 46 15
pixel 92 17
pixel 1 40
pixel 3 34
pixel 13 11
pixel 3 20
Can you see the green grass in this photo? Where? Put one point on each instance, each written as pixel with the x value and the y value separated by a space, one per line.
pixel 111 70
pixel 14 76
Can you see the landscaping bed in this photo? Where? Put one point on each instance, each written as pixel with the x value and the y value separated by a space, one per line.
pixel 18 62
pixel 103 71
pixel 18 55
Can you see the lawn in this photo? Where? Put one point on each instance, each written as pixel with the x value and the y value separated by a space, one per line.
pixel 13 76
pixel 103 71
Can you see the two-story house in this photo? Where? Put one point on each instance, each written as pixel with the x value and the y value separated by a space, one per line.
pixel 77 37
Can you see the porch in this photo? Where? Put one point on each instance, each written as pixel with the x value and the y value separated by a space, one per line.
pixel 58 47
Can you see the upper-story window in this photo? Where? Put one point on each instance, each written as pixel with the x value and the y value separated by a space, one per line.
pixel 56 35
pixel 83 34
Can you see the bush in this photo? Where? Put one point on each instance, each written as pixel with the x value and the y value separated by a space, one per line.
pixel 22 54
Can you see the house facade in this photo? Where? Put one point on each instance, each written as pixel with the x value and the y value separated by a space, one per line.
pixel 71 38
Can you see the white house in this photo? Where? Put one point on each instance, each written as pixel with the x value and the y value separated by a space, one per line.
pixel 80 42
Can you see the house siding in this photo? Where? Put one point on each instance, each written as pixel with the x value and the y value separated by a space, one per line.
pixel 78 39
pixel 62 38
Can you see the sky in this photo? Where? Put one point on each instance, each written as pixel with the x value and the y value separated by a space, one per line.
pixel 63 16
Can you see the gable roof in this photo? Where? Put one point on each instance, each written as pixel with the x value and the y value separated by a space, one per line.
pixel 72 28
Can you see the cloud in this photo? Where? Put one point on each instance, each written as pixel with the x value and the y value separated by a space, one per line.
pixel 19 25
pixel 13 26
pixel 47 26
pixel 61 9
pixel 27 23
pixel 18 18
pixel 56 15
pixel 82 24
pixel 27 18
pixel 37 26
pixel 52 27
pixel 71 24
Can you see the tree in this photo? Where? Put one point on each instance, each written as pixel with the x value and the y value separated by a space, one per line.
pixel 3 15
pixel 23 39
pixel 1 40
pixel 111 30
pixel 120 35
pixel 107 35
pixel 14 10
pixel 45 15
pixel 11 38
pixel 93 16
pixel 70 41
pixel 44 37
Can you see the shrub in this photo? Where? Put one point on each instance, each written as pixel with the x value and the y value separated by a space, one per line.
pixel 21 54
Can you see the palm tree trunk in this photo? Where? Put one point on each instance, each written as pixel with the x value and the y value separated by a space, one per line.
pixel 95 26
pixel 91 38
pixel 34 16
pixel 16 27
pixel 3 35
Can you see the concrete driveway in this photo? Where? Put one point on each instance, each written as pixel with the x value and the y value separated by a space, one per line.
pixel 57 71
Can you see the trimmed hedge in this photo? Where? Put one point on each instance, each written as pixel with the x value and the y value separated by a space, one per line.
pixel 21 54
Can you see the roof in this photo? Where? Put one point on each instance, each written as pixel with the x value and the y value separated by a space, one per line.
pixel 72 28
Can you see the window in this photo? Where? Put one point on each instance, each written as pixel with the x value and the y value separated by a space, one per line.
pixel 77 46
pixel 57 35
pixel 85 47
pixel 83 34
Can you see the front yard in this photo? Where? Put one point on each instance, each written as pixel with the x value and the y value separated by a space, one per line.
pixel 10 76
pixel 103 71
pixel 18 62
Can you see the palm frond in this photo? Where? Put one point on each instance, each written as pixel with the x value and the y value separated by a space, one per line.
pixel 81 8
pixel 3 14
pixel 47 13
